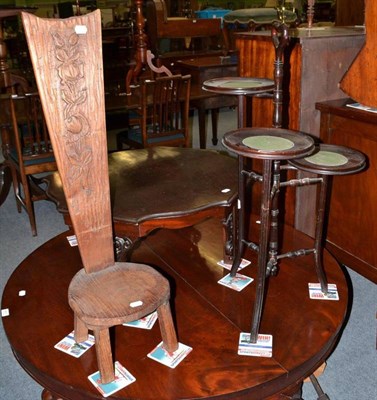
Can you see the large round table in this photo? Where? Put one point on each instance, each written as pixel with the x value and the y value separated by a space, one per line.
pixel 209 318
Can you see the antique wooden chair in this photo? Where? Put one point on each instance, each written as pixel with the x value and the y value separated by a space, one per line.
pixel 164 114
pixel 28 152
pixel 67 61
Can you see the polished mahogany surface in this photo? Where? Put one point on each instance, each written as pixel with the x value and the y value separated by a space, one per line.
pixel 163 187
pixel 209 318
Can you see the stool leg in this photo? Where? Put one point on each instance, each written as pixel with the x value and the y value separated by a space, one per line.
pixel 263 248
pixel 240 229
pixel 318 245
pixel 81 331
pixel 104 356
pixel 168 333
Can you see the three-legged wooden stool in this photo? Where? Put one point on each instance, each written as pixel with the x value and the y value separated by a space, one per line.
pixel 271 145
pixel 121 293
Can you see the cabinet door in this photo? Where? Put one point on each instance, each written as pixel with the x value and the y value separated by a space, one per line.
pixel 352 228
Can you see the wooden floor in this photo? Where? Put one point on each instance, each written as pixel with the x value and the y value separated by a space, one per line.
pixel 209 318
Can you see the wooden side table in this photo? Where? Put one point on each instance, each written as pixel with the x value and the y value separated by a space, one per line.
pixel 240 87
pixel 309 51
pixel 271 145
pixel 196 184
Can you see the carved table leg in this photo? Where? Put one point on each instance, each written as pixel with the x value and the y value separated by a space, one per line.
pixel 123 247
pixel 229 236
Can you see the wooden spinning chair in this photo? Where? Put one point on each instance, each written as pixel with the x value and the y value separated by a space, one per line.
pixel 67 61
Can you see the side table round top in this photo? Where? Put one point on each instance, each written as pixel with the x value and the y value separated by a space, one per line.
pixel 238 85
pixel 329 159
pixel 269 143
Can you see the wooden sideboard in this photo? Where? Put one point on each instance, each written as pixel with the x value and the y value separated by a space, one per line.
pixel 314 63
pixel 352 229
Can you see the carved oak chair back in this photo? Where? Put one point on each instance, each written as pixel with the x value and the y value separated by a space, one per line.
pixel 67 61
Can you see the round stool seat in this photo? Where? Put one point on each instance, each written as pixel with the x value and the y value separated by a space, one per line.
pixel 240 86
pixel 121 293
pixel 269 143
pixel 329 159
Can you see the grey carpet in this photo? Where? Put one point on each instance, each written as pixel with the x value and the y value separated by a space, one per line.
pixel 351 372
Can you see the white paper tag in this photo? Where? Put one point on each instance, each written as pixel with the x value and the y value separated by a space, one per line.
pixel 237 282
pixel 244 263
pixel 123 378
pixel 72 240
pixel 146 322
pixel 136 304
pixel 316 293
pixel 81 29
pixel 69 345
pixel 262 348
pixel 5 312
pixel 171 360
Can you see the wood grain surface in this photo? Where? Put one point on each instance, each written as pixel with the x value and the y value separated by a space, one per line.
pixel 209 318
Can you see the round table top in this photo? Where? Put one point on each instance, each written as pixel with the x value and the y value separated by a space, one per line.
pixel 304 330
pixel 238 85
pixel 269 143
pixel 329 159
